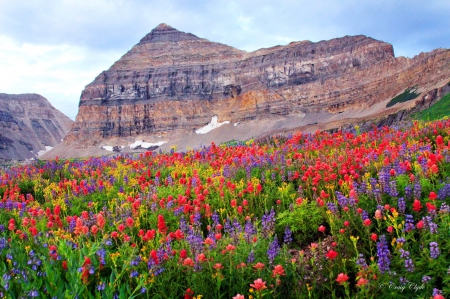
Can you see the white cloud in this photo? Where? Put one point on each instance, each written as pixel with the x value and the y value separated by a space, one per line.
pixel 55 48
pixel 57 72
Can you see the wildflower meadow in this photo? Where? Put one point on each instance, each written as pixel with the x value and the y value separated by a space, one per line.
pixel 326 215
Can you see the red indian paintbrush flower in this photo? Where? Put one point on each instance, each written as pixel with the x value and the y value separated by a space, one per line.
pixel 432 195
pixel 374 237
pixel 162 228
pixel 278 270
pixel 129 222
pixel 331 254
pixel 258 285
pixel 341 278
pixel 362 282
pixel 417 206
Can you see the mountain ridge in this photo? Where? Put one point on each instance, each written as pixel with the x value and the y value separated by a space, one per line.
pixel 29 124
pixel 172 83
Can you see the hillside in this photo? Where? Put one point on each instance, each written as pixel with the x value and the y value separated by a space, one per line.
pixel 29 124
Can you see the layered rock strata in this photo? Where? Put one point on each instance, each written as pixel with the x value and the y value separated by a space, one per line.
pixel 29 124
pixel 173 82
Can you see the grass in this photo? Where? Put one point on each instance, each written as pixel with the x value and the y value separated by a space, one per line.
pixel 408 94
pixel 439 110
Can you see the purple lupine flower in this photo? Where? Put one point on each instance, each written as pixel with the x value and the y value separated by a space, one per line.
pixel 362 188
pixel 332 207
pixel 300 191
pixel 273 250
pixel 195 240
pixel 251 257
pixel 227 226
pixel 136 261
pixel 361 261
pixel 101 287
pixel 2 244
pixel 409 223
pixel 33 293
pixel 289 176
pixel 197 217
pixel 409 266
pixel 445 208
pixel 226 171
pixel 429 224
pixel 417 191
pixel 169 204
pixel 287 235
pixel 393 189
pixel 237 226
pixel 383 254
pixel 444 192
pixel 436 292
pixel 178 211
pixel 342 200
pixel 408 192
pixel 101 253
pixel 401 240
pixel 426 279
pixel 268 223
pixel 364 215
pixel 184 227
pixel 158 272
pixel 384 180
pixel 249 230
pixel 169 180
pixel 401 205
pixel 434 250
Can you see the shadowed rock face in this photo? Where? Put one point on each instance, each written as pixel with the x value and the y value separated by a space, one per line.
pixel 173 82
pixel 28 123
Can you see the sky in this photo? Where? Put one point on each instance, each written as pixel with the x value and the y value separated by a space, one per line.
pixel 56 47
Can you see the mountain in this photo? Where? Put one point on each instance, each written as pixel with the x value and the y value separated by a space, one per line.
pixel 29 124
pixel 172 83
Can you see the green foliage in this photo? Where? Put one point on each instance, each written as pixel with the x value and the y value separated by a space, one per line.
pixel 408 94
pixel 439 110
pixel 303 220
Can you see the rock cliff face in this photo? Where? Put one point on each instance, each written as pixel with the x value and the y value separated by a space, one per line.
pixel 29 123
pixel 172 83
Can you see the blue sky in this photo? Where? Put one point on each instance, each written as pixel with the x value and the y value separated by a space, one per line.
pixel 55 48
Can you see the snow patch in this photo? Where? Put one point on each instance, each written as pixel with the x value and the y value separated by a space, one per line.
pixel 211 126
pixel 142 144
pixel 41 152
pixel 109 148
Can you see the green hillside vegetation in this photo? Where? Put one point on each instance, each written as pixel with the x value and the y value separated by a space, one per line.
pixel 439 110
pixel 408 94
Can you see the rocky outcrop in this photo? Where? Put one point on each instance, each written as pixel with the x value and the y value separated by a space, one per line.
pixel 29 123
pixel 172 83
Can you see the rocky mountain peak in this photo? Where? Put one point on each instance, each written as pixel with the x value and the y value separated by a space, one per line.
pixel 29 124
pixel 173 83
pixel 166 33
